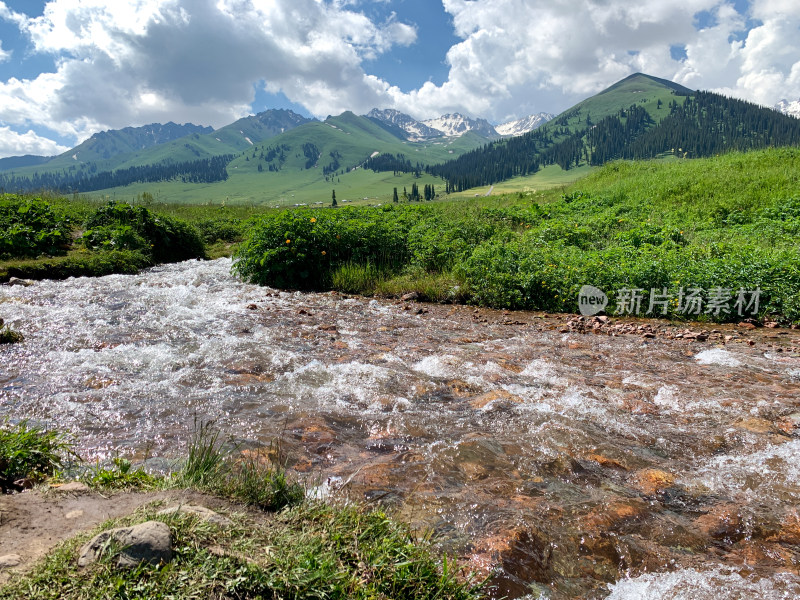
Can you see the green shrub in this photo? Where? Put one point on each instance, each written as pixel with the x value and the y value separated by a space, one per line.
pixel 165 239
pixel 302 249
pixel 221 230
pixel 30 227
pixel 437 245
pixel 110 237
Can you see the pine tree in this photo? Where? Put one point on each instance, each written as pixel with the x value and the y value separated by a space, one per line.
pixel 333 198
pixel 394 197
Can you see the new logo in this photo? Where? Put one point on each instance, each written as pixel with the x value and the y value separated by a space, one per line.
pixel 591 301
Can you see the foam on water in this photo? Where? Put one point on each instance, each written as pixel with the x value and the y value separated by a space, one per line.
pixel 770 475
pixel 542 371
pixel 345 385
pixel 690 584
pixel 718 356
pixel 445 366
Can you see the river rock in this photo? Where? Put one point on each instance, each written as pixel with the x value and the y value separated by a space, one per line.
pixel 149 542
pixel 722 522
pixel 652 481
pixel 614 516
pixel 605 461
pixel 500 396
pixel 9 561
pixel 789 423
pixel 789 530
pixel 22 282
pixel 205 514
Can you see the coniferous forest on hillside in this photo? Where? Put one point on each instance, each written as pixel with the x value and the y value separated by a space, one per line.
pixel 204 170
pixel 699 125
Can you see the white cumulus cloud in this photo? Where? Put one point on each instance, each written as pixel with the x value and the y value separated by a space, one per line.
pixel 131 62
pixel 522 56
pixel 15 144
pixel 138 61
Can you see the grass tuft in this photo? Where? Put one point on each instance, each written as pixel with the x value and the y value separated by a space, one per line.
pixel 356 278
pixel 257 478
pixel 205 463
pixel 29 454
pixel 120 475
pixel 261 480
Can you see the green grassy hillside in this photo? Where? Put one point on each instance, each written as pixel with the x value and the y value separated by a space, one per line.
pixel 640 117
pixel 250 188
pixel 279 158
pixel 638 88
pixel 310 161
pixel 151 144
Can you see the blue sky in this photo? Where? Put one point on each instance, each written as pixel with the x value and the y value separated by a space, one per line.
pixel 69 68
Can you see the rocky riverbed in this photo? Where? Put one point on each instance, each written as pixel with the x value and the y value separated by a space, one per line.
pixel 573 457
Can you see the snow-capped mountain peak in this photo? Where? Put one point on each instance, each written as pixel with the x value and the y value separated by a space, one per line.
pixel 453 125
pixel 789 108
pixel 414 130
pixel 523 125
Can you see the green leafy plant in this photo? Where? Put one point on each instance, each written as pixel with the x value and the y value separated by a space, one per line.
pixel 124 226
pixel 8 335
pixel 120 475
pixel 30 227
pixel 30 452
pixel 120 237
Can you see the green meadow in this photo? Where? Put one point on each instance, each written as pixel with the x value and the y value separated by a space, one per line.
pixel 246 186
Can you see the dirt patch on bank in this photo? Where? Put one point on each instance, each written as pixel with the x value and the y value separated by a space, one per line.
pixel 35 521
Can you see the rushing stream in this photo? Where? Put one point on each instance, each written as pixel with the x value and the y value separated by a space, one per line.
pixel 575 465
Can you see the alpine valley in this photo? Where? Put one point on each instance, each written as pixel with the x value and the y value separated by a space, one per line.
pixel 278 157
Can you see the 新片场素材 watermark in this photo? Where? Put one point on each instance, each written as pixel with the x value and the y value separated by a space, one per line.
pixel 715 301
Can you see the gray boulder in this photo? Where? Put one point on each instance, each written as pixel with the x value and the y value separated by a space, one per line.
pixel 149 542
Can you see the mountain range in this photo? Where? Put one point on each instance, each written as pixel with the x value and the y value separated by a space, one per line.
pixel 282 157
pixel 237 136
